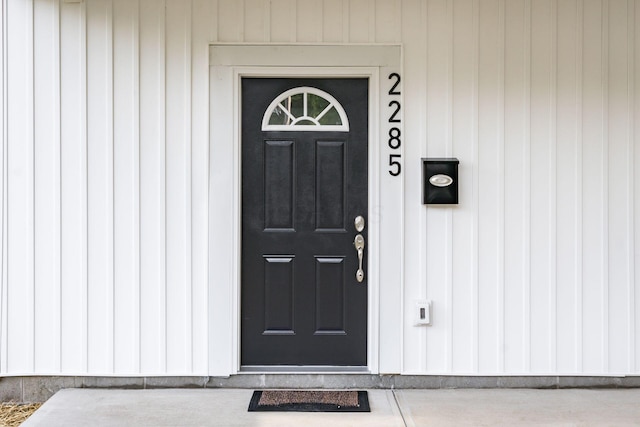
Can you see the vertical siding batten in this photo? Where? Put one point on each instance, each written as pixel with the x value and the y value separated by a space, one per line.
pixel 386 21
pixel 592 178
pixel 47 186
pixel 579 203
pixel 3 189
pixel 618 196
pixel 372 30
pixel 423 338
pixel 448 273
pixel 500 235
pixel 254 20
pixel 163 343
pixel 514 214
pixel 553 189
pixel 73 158
pixel 412 74
pixel 178 159
pixel 636 200
pixel 566 117
pixel 346 18
pixel 475 238
pixel 100 186
pixel 152 189
pixel 126 187
pixel 461 128
pixel 359 20
pixel 20 186
pixel 188 199
pixel 605 186
pixel 84 131
pixel 491 178
pixel 283 22
pixel 423 76
pixel 539 202
pixel 200 37
pixel 631 247
pixel 267 21
pixel 435 232
pixel 230 20
pixel 213 22
pixel 636 185
pixel 488 178
pixel 111 81
pixel 309 21
pixel 332 21
pixel 137 301
pixel 526 194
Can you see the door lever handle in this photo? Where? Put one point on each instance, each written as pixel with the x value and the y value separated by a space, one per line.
pixel 358 242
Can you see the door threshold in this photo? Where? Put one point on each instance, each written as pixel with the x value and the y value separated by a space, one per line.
pixel 286 369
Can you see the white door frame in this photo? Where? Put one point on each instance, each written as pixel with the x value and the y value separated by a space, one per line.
pixel 228 64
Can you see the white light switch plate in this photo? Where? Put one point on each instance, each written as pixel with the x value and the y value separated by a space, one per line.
pixel 423 312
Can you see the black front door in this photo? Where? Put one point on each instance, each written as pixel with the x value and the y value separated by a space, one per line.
pixel 301 192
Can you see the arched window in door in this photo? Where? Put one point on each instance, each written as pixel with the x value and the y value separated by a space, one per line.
pixel 305 109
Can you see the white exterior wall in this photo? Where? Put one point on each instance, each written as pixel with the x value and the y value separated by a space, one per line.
pixel 105 182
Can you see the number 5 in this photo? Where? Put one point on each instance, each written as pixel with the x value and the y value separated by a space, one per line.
pixel 394 163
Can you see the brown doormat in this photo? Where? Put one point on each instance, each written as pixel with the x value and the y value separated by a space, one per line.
pixel 309 401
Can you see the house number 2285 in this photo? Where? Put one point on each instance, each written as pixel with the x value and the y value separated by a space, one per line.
pixel 394 140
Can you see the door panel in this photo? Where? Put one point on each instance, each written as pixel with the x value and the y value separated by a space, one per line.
pixel 330 185
pixel 278 295
pixel 330 288
pixel 278 185
pixel 301 190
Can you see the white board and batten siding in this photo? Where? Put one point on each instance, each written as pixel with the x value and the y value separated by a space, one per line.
pixel 106 176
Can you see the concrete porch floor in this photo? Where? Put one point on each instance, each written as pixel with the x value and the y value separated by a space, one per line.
pixel 389 408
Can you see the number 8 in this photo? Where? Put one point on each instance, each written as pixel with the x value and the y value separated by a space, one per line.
pixel 394 138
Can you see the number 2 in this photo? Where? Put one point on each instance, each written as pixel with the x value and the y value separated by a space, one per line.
pixel 393 118
pixel 393 90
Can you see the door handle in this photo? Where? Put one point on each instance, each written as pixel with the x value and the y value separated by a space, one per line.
pixel 358 242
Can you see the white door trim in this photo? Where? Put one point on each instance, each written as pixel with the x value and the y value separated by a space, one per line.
pixel 225 185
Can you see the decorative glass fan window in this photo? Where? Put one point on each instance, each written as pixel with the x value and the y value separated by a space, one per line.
pixel 305 109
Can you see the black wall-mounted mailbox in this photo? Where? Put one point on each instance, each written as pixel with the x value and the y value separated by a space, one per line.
pixel 440 181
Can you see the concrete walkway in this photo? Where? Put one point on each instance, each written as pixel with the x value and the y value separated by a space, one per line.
pixel 389 408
